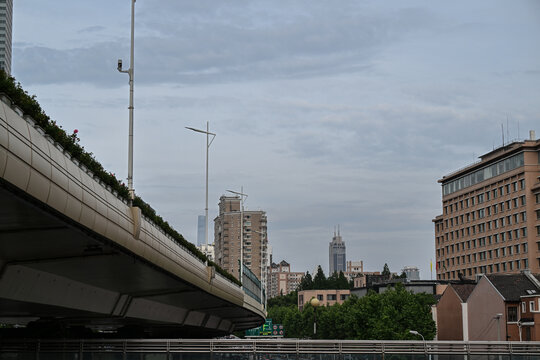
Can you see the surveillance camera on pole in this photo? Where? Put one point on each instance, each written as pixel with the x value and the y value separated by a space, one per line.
pixel 120 65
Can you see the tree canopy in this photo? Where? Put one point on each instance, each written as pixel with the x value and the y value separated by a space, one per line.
pixel 321 282
pixel 387 316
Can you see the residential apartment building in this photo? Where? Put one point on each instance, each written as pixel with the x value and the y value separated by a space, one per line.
pixel 6 23
pixel 233 246
pixel 336 252
pixel 353 269
pixel 207 250
pixel 491 214
pixel 282 280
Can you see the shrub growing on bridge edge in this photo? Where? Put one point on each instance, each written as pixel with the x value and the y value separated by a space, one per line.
pixel 29 105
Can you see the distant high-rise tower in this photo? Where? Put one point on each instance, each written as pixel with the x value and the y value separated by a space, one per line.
pixel 227 237
pixel 201 230
pixel 337 256
pixel 6 21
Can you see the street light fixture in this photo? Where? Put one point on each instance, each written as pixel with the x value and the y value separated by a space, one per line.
pixel 498 318
pixel 414 332
pixel 315 303
pixel 242 198
pixel 130 72
pixel 208 143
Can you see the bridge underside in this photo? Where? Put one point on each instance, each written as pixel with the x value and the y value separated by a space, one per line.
pixel 56 275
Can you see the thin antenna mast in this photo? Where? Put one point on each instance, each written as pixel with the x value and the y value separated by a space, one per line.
pixel 507 129
pixel 502 133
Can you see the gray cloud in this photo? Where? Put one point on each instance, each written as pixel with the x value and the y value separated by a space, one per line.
pixel 225 46
pixel 91 29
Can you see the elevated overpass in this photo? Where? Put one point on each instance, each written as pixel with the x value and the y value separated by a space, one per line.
pixel 73 254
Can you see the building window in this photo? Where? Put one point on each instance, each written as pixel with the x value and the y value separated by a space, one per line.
pixel 512 314
pixel 331 297
pixel 343 297
pixel 523 307
pixel 319 297
pixel 531 306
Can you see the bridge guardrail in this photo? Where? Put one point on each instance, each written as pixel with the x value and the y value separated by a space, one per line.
pixel 273 346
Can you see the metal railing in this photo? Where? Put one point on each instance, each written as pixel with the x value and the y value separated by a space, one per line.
pixel 283 348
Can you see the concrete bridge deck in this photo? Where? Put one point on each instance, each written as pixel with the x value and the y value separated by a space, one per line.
pixel 73 253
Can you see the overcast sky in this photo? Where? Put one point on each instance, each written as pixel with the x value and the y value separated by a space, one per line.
pixel 327 113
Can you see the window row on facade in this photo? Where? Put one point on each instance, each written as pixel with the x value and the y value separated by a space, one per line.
pixel 510 234
pixel 482 197
pixel 510 265
pixel 475 177
pixel 481 213
pixel 481 243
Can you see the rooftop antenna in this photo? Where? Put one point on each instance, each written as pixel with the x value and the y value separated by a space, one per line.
pixel 502 132
pixel 518 128
pixel 338 230
pixel 507 129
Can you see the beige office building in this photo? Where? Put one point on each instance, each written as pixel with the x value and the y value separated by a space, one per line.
pixel 491 214
pixel 227 238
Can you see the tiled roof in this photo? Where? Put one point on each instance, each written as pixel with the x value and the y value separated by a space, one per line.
pixel 463 290
pixel 512 286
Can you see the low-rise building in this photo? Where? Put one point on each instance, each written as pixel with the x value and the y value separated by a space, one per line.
pixel 493 307
pixel 432 287
pixel 361 280
pixel 500 307
pixel 325 297
pixel 452 313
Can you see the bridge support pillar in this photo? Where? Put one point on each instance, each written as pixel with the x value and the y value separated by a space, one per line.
pixel 136 217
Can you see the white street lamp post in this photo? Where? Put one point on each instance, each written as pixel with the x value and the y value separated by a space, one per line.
pixel 242 195
pixel 414 332
pixel 130 72
pixel 208 143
